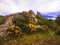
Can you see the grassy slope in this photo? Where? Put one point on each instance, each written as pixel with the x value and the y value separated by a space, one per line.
pixel 35 39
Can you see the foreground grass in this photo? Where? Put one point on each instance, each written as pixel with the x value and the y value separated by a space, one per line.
pixel 34 39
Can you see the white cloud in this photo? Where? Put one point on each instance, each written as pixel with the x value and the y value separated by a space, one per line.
pixel 54 6
pixel 13 6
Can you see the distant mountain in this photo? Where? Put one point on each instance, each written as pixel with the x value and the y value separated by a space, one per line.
pixel 50 14
pixel 47 16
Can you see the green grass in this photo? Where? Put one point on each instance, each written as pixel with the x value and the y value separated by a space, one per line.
pixel 34 39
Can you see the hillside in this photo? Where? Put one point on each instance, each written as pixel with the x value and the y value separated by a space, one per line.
pixel 27 28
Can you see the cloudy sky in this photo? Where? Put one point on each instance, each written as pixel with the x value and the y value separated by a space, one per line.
pixel 43 6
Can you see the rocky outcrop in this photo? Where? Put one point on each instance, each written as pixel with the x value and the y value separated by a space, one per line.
pixel 30 14
pixel 4 26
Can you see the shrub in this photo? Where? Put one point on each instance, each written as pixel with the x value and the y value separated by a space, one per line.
pixel 13 31
pixel 58 32
pixel 58 20
pixel 31 28
pixel 2 20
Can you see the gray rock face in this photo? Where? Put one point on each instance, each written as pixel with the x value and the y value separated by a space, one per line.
pixel 38 13
pixel 4 26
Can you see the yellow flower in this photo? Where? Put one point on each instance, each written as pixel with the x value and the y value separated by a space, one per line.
pixel 16 31
pixel 10 32
pixel 31 26
pixel 17 27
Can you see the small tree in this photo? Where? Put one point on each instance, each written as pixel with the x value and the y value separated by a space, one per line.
pixel 58 19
